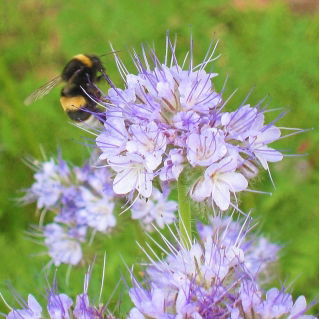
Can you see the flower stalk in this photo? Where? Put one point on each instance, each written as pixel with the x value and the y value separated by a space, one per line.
pixel 184 211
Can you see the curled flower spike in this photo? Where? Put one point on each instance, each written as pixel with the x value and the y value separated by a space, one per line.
pixel 218 277
pixel 169 118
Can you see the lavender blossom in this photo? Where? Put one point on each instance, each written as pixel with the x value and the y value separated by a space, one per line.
pixel 219 180
pixel 156 210
pixel 64 247
pixel 32 310
pixel 59 305
pixel 50 178
pixel 169 118
pixel 216 278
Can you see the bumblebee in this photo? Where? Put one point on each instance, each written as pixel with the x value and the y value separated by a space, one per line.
pixel 79 75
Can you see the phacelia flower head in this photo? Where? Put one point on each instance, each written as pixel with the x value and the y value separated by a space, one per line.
pixel 169 117
pixel 217 277
pixel 81 199
pixel 83 202
pixel 78 195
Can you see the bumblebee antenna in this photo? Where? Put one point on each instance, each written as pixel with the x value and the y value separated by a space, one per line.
pixel 112 52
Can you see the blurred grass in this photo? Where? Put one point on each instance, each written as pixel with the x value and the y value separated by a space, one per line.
pixel 272 49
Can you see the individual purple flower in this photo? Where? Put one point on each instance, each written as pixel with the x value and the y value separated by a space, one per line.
pixel 96 211
pixel 59 305
pixel 275 304
pixel 62 247
pixel 152 303
pixel 49 183
pixel 113 140
pixel 258 144
pixel 205 148
pixel 33 310
pixel 172 166
pixel 82 309
pixel 132 174
pixel 219 180
pixel 169 118
pixel 148 142
pixel 156 210
pixel 243 123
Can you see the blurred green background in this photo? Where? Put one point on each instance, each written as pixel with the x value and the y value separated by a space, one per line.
pixel 271 46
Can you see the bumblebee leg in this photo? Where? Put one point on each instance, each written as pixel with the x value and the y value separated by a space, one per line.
pixel 106 77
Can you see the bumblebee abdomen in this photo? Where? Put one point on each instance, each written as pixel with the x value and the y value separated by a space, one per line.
pixel 77 107
pixel 73 103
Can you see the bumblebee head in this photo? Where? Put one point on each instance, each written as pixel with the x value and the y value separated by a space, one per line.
pixel 96 63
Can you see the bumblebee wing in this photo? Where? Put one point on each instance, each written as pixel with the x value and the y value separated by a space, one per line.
pixel 43 90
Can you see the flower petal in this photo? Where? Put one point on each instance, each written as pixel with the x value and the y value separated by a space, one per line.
pixel 236 182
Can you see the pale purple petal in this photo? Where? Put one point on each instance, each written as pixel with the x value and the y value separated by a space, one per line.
pixel 221 195
pixel 236 182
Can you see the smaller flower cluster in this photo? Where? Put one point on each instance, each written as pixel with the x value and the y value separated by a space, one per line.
pixel 169 118
pixel 218 277
pixel 83 200
pixel 80 197
pixel 61 306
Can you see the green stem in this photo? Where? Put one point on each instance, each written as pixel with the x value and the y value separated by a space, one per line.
pixel 184 211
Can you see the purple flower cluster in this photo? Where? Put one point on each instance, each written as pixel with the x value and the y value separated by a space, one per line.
pixel 83 200
pixel 168 118
pixel 61 306
pixel 218 277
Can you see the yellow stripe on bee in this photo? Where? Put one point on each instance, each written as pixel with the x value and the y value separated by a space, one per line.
pixel 73 103
pixel 84 59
